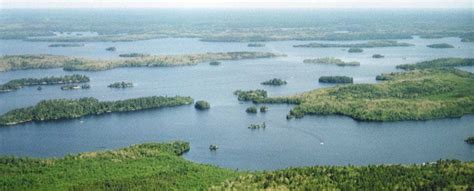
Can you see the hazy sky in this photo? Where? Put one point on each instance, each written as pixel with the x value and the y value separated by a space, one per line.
pixel 237 4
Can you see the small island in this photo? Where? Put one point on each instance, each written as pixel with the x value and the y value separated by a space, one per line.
pixel 251 109
pixel 257 126
pixel 20 83
pixel 75 87
pixel 202 105
pixel 274 82
pixel 263 109
pixel 256 45
pixel 440 45
pixel 470 140
pixel 133 55
pixel 355 50
pixel 56 109
pixel 65 45
pixel 111 49
pixel 121 85
pixel 336 79
pixel 378 56
pixel 332 61
pixel 214 63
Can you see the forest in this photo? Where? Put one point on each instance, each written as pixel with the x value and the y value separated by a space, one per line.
pixel 20 83
pixel 439 63
pixel 56 109
pixel 159 166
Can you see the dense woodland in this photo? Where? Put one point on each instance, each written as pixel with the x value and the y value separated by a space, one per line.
pixel 439 63
pixel 74 108
pixel 20 83
pixel 158 166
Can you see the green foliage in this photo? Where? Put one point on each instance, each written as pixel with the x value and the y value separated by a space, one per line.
pixel 369 44
pixel 355 50
pixel 250 95
pixel 274 82
pixel 149 166
pixel 263 108
pixel 251 109
pixel 121 85
pixel 470 140
pixel 214 63
pixel 439 63
pixel 440 175
pixel 440 45
pixel 414 95
pixel 112 49
pixel 336 79
pixel 69 108
pixel 20 83
pixel 331 60
pixel 25 62
pixel 202 105
pixel 257 126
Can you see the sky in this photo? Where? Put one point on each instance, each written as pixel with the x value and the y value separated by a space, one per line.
pixel 8 4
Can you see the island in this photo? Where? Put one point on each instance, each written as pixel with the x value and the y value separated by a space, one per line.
pixel 132 55
pixel 66 45
pixel 48 110
pixel 251 109
pixel 369 44
pixel 257 126
pixel 378 56
pixel 20 83
pixel 214 63
pixel 431 93
pixel 23 62
pixel 202 105
pixel 470 140
pixel 256 45
pixel 336 79
pixel 111 49
pixel 274 82
pixel 331 61
pixel 263 109
pixel 121 85
pixel 355 50
pixel 250 95
pixel 440 45
pixel 160 166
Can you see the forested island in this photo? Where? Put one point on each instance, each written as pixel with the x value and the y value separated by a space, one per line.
pixel 75 87
pixel 355 50
pixel 336 79
pixel 378 56
pixel 256 45
pixel 414 95
pixel 274 82
pixel 121 85
pixel 369 44
pixel 159 166
pixel 440 45
pixel 66 45
pixel 251 109
pixel 111 49
pixel 202 105
pixel 250 95
pixel 331 60
pixel 20 83
pixel 55 109
pixel 470 140
pixel 133 55
pixel 214 63
pixel 22 62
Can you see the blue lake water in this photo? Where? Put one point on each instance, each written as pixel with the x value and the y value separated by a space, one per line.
pixel 313 140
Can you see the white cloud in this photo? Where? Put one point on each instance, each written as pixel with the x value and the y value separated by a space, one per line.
pixel 237 4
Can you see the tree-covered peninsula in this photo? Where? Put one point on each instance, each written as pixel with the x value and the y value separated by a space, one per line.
pixel 55 109
pixel 439 63
pixel 20 83
pixel 20 62
pixel 414 95
pixel 159 166
pixel 331 61
pixel 369 44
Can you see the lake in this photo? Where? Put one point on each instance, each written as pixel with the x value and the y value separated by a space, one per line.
pixel 312 140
